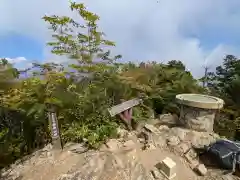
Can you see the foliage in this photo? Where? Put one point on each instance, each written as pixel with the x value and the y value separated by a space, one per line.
pixel 82 105
pixel 161 83
pixel 225 83
pixel 80 41
pixel 7 75
pixel 176 64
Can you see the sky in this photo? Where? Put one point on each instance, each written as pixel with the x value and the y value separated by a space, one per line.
pixel 199 33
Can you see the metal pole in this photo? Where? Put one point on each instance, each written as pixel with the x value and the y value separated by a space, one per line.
pixel 205 81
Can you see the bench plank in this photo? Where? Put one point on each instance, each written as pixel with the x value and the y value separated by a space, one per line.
pixel 124 106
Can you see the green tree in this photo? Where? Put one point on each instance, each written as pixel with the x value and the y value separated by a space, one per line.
pixel 225 73
pixel 8 75
pixel 82 42
pixel 160 84
pixel 176 64
pixel 225 83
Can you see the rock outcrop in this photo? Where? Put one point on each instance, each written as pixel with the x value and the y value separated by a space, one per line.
pixel 109 166
pixel 131 157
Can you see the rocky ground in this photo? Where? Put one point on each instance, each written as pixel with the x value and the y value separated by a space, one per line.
pixel 133 156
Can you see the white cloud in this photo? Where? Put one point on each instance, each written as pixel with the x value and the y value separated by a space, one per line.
pixel 16 60
pixel 212 60
pixel 142 29
pixel 19 62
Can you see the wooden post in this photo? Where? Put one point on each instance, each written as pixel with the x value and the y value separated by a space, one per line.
pixel 56 138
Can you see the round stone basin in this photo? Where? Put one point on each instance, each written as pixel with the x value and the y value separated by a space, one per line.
pixel 200 101
pixel 198 111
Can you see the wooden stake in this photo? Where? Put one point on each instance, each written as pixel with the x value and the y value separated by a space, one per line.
pixel 56 138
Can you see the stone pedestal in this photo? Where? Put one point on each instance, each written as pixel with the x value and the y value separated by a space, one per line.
pixel 168 168
pixel 198 111
pixel 197 118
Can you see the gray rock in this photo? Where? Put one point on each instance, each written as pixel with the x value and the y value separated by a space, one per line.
pixel 168 119
pixel 139 126
pixel 201 169
pixel 49 154
pixel 151 128
pixel 113 144
pixel 228 177
pixel 197 139
pixel 193 164
pixel 160 141
pixel 157 174
pixel 190 155
pixel 150 146
pixel 153 141
pixel 182 148
pixel 153 122
pixel 163 128
pixel 201 139
pixel 173 141
pixel 72 176
pixel 216 174
pixel 77 148
pixel 179 132
pixel 215 136
pixel 124 166
pixel 11 175
pixel 144 135
pixel 48 147
pixel 141 140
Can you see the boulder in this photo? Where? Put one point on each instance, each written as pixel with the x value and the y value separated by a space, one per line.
pixel 201 169
pixel 179 132
pixel 113 144
pixel 163 128
pixel 168 119
pixel 160 141
pixel 191 156
pixel 157 174
pixel 77 148
pixel 108 166
pixel 151 128
pixel 173 140
pixel 182 148
pixel 197 139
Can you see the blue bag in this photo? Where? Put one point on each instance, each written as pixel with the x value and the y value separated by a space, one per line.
pixel 226 153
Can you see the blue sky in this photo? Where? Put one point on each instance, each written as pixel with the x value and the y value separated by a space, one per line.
pixel 197 32
pixel 16 45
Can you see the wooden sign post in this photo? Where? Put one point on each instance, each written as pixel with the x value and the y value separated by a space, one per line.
pixel 125 111
pixel 56 138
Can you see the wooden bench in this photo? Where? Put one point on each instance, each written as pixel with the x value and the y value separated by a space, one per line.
pixel 124 110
